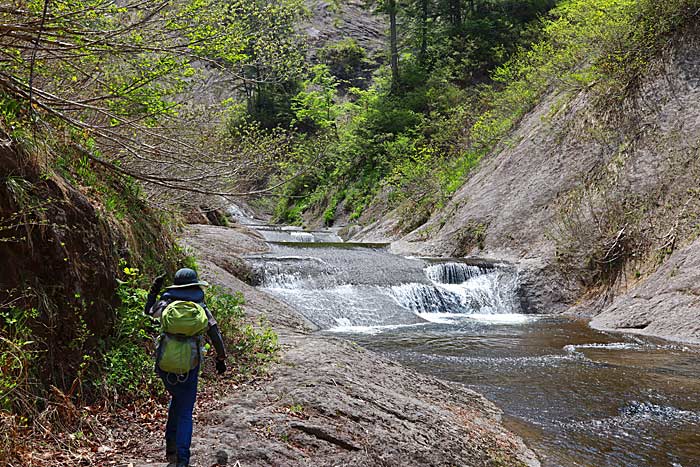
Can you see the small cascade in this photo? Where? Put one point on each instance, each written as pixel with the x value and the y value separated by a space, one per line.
pixel 453 273
pixel 422 298
pixel 363 286
pixel 239 215
pixel 303 237
pixel 479 290
pixel 287 234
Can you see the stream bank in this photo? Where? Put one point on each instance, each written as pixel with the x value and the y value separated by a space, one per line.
pixel 331 402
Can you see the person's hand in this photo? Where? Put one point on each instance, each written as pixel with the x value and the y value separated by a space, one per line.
pixel 221 366
pixel 157 283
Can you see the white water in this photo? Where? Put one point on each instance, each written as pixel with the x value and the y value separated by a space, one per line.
pixel 483 291
pixel 367 290
pixel 640 346
pixel 453 273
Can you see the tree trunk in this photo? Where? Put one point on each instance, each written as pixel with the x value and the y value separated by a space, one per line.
pixel 394 50
pixel 456 15
pixel 423 32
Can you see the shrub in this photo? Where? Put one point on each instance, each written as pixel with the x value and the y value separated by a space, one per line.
pixel 17 353
pixel 251 348
pixel 345 58
pixel 599 233
pixel 129 371
pixel 18 383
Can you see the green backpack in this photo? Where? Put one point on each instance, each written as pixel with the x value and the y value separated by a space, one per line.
pixel 181 325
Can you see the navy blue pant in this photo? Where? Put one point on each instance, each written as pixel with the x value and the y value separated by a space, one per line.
pixel 183 393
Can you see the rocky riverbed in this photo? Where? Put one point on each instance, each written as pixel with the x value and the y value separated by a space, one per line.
pixel 330 402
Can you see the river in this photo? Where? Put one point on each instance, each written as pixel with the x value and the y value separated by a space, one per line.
pixel 578 397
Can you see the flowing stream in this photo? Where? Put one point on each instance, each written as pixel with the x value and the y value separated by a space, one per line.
pixel 577 396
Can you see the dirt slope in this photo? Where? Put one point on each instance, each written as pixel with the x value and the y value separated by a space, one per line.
pixel 60 252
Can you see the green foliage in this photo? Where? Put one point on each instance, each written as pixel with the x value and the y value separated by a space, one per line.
pixel 344 59
pixel 271 62
pixel 188 260
pixel 12 117
pixel 380 140
pixel 314 106
pixel 129 371
pixel 144 64
pixel 251 348
pixel 329 213
pixel 18 353
pixel 121 75
pixel 603 46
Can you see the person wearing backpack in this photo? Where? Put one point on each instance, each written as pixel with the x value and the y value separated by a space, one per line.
pixel 184 319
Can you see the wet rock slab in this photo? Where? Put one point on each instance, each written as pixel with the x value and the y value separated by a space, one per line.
pixel 330 402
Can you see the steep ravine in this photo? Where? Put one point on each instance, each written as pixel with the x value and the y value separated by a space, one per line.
pixel 330 402
pixel 641 154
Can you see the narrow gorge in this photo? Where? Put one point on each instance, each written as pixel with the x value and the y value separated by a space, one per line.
pixel 437 233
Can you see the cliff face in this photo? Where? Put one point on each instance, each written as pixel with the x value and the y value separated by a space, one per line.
pixel 332 21
pixel 574 179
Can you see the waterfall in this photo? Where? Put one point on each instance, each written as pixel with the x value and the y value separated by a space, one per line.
pixel 363 286
pixel 453 273
pixel 459 288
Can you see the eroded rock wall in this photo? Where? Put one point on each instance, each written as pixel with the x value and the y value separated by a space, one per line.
pixel 60 253
pixel 667 303
pixel 567 157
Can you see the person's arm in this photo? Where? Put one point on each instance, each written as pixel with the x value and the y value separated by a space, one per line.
pixel 153 294
pixel 217 341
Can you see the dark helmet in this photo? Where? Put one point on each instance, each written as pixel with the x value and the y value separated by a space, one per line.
pixel 186 277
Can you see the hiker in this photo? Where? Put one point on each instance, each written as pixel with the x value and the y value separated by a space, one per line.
pixel 184 319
